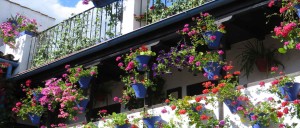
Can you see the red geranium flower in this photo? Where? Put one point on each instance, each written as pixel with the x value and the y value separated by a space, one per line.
pixel 205 91
pixel 204 117
pixel 198 108
pixel 28 82
pixel 173 107
pixel 182 111
pixel 198 98
pixel 285 110
pixel 279 114
pixel 167 101
pixel 214 90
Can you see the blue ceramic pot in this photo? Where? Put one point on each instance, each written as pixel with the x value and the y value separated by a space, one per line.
pixel 35 119
pixel 297 7
pixel 291 90
pixel 37 96
pixel 26 33
pixel 139 90
pixel 212 69
pixel 83 104
pixel 213 44
pixel 142 61
pixel 84 82
pixel 232 107
pixel 150 122
pixel 102 3
pixel 123 126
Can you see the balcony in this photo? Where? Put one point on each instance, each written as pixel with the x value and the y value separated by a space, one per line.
pixel 97 25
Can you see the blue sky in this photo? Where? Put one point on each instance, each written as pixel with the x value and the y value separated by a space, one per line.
pixel 69 3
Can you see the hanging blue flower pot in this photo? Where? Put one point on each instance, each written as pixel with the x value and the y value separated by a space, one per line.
pixel 143 61
pixel 297 7
pixel 139 90
pixel 13 22
pixel 212 69
pixel 291 90
pixel 213 44
pixel 123 126
pixel 84 82
pixel 150 122
pixel 37 96
pixel 83 104
pixel 256 125
pixel 26 33
pixel 232 107
pixel 102 3
pixel 35 119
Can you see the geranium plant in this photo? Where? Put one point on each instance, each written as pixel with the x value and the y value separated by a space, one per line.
pixel 288 30
pixel 204 31
pixel 265 113
pixel 197 113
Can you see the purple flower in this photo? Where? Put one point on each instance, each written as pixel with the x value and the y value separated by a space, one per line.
pixel 85 2
pixel 222 123
pixel 198 63
pixel 213 37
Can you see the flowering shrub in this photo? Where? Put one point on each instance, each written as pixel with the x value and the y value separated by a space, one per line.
pixel 288 30
pixel 11 29
pixel 114 119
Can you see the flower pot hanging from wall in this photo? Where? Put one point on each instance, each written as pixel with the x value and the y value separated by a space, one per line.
pixel 37 96
pixel 143 61
pixel 84 82
pixel 232 105
pixel 150 121
pixel 123 126
pixel 213 39
pixel 102 3
pixel 297 7
pixel 139 90
pixel 261 64
pixel 290 90
pixel 83 104
pixel 212 69
pixel 35 119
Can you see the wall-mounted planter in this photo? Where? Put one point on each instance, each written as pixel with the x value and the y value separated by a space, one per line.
pixel 26 33
pixel 37 96
pixel 212 69
pixel 261 64
pixel 297 7
pixel 102 3
pixel 83 104
pixel 213 44
pixel 291 90
pixel 35 119
pixel 84 82
pixel 143 61
pixel 150 122
pixel 232 107
pixel 139 90
pixel 123 126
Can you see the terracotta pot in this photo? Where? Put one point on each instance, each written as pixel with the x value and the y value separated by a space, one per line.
pixel 261 64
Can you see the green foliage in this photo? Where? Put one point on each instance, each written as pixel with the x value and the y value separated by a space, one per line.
pixel 254 51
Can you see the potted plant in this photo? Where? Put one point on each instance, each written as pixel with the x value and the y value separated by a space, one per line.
pixel 257 54
pixel 149 119
pixel 119 120
pixel 3 67
pixel 197 113
pixel 90 125
pixel 284 86
pixel 29 106
pixel 83 77
pixel 206 31
pixel 212 64
pixel 265 113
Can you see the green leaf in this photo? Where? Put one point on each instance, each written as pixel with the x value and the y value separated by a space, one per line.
pixel 282 50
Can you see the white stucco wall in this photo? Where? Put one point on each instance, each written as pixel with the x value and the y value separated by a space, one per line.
pixel 290 60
